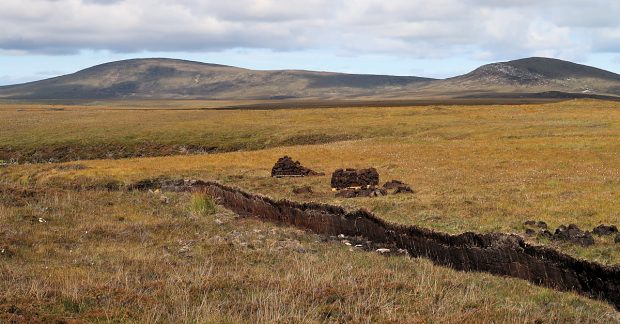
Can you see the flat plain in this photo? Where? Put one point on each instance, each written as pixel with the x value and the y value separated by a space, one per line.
pixel 76 248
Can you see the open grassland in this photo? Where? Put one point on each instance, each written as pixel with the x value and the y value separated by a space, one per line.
pixel 38 133
pixel 474 168
pixel 102 256
pixel 109 255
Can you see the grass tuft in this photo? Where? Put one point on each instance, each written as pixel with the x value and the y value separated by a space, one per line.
pixel 202 205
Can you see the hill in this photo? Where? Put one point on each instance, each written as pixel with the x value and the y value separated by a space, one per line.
pixel 533 75
pixel 178 79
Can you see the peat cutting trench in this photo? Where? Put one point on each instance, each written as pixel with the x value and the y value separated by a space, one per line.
pixel 495 253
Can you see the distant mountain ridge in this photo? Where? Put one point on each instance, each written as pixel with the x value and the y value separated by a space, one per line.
pixel 160 78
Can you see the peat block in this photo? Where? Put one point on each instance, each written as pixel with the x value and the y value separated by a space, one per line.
pixel 397 186
pixel 372 191
pixel 573 234
pixel 348 178
pixel 287 167
pixel 302 190
pixel 604 230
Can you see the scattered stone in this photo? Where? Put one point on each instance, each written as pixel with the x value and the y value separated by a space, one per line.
pixel 218 221
pixel 42 220
pixel 353 178
pixel 286 167
pixel 383 251
pixel 164 200
pixel 605 230
pixel 341 236
pixel 303 190
pixel 573 234
pixel 397 186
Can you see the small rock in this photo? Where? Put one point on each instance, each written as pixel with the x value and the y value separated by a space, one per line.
pixel 164 200
pixel 383 251
pixel 341 236
pixel 218 221
pixel 530 232
pixel 345 242
pixel 41 220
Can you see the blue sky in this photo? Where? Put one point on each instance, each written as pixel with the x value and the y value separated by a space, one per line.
pixel 441 38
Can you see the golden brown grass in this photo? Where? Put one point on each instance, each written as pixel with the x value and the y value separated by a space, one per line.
pixel 103 129
pixel 474 168
pixel 124 256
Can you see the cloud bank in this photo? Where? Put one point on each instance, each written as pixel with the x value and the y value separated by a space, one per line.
pixel 481 29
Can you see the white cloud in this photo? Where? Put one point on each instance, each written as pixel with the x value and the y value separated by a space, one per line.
pixel 478 28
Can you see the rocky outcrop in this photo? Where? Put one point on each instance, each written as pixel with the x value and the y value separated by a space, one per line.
pixel 500 254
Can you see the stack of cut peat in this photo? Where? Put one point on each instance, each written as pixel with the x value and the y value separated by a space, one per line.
pixel 353 178
pixel 352 183
pixel 286 167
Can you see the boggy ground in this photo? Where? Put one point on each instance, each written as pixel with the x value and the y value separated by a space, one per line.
pixel 56 131
pixel 117 256
pixel 460 185
pixel 473 168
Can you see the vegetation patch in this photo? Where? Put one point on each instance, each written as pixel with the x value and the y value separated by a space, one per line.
pixel 202 205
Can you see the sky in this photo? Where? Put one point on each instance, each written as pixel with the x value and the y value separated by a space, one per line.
pixel 439 38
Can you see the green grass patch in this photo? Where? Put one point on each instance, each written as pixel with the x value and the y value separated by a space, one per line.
pixel 202 205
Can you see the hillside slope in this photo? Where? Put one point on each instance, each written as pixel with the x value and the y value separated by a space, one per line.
pixel 533 75
pixel 169 78
pixel 177 79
